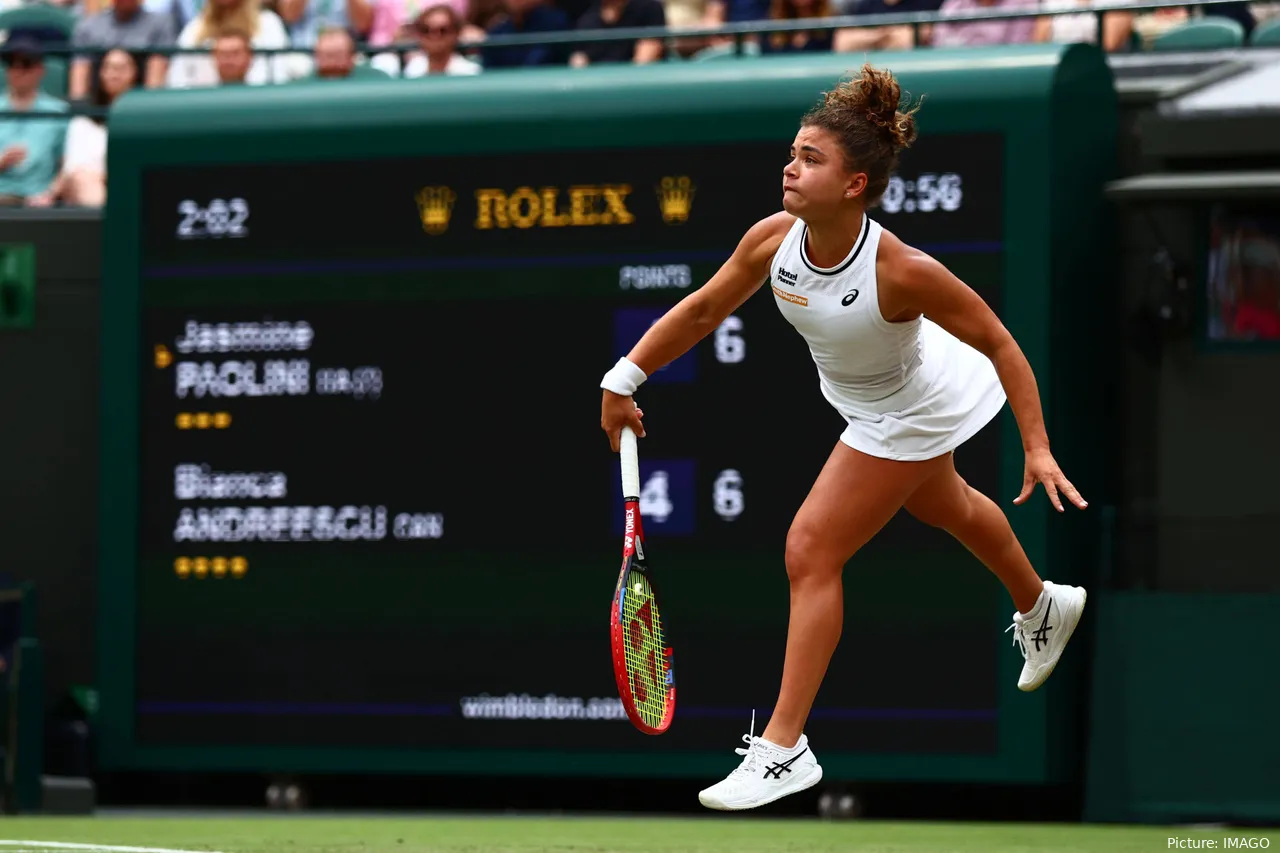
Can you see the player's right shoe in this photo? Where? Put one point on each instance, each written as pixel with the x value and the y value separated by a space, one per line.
pixel 768 772
pixel 1042 634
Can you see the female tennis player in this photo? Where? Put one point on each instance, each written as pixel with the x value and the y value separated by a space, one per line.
pixel 914 360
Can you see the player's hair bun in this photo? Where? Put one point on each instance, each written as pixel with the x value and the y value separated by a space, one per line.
pixel 874 97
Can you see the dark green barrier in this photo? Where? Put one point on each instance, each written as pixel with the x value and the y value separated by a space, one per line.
pixel 372 524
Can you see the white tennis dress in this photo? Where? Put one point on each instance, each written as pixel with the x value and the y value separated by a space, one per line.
pixel 909 391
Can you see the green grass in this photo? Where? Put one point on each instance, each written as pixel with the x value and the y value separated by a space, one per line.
pixel 498 834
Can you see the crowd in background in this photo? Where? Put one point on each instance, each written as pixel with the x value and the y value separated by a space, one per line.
pixel 121 44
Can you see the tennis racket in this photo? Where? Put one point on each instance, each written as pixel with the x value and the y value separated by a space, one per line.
pixel 641 653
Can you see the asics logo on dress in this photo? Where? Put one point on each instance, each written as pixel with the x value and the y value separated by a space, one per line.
pixel 1041 634
pixel 849 297
pixel 775 771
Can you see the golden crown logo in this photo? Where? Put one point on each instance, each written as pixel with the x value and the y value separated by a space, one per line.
pixel 435 206
pixel 675 195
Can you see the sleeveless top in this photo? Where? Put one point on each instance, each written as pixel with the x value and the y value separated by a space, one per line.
pixel 861 357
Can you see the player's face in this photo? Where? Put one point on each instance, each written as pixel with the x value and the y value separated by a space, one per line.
pixel 815 181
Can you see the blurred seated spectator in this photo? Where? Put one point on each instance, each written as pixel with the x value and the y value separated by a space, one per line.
pixel 180 12
pixel 791 10
pixel 983 33
pixel 1082 27
pixel 690 14
pixel 438 28
pixel 263 28
pixel 30 148
pixel 305 19
pixel 232 56
pixel 625 14
pixel 393 21
pixel 527 16
pixel 736 11
pixel 891 37
pixel 82 181
pixel 126 24
pixel 334 54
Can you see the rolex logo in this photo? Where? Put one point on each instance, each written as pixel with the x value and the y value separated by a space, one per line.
pixel 675 195
pixel 435 206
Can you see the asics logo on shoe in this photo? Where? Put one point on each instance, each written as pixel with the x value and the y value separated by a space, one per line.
pixel 775 770
pixel 1041 634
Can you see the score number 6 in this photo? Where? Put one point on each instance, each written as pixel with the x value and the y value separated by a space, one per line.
pixel 731 347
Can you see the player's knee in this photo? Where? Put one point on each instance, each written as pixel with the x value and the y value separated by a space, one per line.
pixel 806 553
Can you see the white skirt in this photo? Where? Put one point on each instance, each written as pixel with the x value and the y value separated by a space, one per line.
pixel 955 393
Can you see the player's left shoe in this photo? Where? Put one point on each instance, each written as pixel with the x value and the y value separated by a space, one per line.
pixel 1043 633
pixel 768 772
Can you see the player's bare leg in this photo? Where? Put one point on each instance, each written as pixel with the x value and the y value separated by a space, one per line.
pixel 854 496
pixel 1050 610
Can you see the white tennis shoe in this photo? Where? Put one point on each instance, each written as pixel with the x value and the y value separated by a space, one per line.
pixel 767 773
pixel 1043 633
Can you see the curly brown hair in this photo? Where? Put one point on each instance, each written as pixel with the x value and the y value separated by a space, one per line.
pixel 864 117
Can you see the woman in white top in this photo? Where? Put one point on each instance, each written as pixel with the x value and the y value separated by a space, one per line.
pixel 438 29
pixel 915 362
pixel 265 30
pixel 82 180
pixel 1082 27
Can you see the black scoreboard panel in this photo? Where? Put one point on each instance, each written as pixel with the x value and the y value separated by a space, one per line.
pixel 377 510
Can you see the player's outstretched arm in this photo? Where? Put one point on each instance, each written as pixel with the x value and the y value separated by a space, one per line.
pixel 689 321
pixel 913 283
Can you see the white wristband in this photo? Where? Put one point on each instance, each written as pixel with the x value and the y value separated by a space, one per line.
pixel 623 378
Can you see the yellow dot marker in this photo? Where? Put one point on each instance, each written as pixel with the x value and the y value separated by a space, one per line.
pixel 200 566
pixel 183 420
pixel 219 566
pixel 239 565
pixel 203 419
pixel 182 567
pixel 222 420
pixel 164 358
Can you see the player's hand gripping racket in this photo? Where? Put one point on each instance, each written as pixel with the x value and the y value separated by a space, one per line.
pixel 641 655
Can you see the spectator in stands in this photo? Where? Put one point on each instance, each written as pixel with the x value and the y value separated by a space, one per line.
pixel 334 54
pixel 305 19
pixel 438 28
pixel 30 149
pixel 126 24
pixel 624 14
pixel 689 14
pixel 790 10
pixel 263 28
pixel 232 57
pixel 82 181
pixel 394 21
pixel 736 11
pixel 1083 26
pixel 976 33
pixel 527 16
pixel 893 37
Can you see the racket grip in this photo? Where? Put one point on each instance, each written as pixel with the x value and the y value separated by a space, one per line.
pixel 630 463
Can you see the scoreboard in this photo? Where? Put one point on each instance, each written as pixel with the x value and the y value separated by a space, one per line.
pixel 369 519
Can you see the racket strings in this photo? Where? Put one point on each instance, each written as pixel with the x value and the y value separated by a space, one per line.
pixel 643 643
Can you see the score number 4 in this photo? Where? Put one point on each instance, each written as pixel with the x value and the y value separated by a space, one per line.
pixel 726 496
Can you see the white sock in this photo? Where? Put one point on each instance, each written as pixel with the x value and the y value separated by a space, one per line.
pixel 786 749
pixel 1039 605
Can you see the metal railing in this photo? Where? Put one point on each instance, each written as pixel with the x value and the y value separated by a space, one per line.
pixel 739 32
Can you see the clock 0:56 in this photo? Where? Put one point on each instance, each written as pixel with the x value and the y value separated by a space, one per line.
pixel 926 193
pixel 220 218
